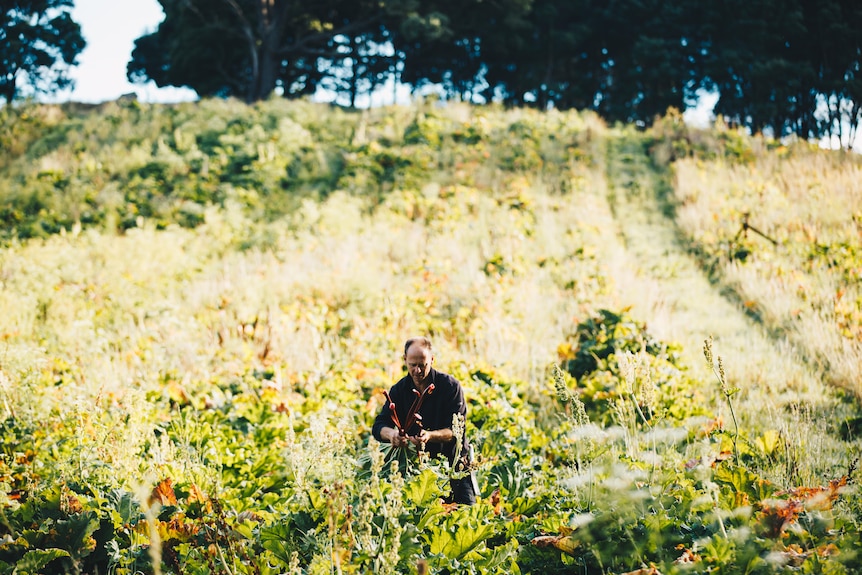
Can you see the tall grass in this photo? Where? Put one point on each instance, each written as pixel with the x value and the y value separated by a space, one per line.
pixel 805 286
pixel 241 351
pixel 488 261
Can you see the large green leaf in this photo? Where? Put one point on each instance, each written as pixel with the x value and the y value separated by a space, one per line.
pixel 279 539
pixel 461 532
pixel 76 534
pixel 741 480
pixel 463 539
pixel 34 561
pixel 423 489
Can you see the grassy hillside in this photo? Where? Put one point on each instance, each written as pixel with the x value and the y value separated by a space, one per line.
pixel 202 304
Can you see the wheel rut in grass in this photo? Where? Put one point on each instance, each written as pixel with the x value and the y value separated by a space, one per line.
pixel 666 287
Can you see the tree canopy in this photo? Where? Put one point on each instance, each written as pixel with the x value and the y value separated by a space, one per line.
pixel 790 66
pixel 39 41
pixel 251 48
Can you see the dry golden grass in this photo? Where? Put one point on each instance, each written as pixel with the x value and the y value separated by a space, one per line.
pixel 806 287
pixel 650 268
pixel 497 266
pixel 339 285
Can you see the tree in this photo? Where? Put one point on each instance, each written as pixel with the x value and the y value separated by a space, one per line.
pixel 547 59
pixel 360 57
pixel 249 48
pixel 787 66
pixel 835 27
pixel 628 59
pixel 39 42
pixel 453 42
pixel 202 47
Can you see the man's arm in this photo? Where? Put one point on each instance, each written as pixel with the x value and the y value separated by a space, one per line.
pixel 455 405
pixel 444 435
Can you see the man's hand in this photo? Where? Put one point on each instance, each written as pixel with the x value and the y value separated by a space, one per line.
pixel 419 440
pixel 394 437
pixel 437 436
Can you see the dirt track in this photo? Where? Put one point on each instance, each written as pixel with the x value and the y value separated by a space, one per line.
pixel 666 287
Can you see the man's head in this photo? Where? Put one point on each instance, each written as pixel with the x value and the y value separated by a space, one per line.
pixel 418 355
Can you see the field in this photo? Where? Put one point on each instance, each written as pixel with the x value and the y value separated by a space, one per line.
pixel 659 333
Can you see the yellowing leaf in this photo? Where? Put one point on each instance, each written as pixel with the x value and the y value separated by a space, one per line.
pixel 769 443
pixel 565 543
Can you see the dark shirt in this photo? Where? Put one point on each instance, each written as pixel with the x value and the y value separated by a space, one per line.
pixel 437 409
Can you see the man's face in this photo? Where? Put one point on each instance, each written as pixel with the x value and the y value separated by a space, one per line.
pixel 419 360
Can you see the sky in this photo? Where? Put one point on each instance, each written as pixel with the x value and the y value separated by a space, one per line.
pixel 110 28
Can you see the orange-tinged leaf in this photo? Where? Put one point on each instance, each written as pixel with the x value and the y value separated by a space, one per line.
pixel 688 556
pixel 723 456
pixel 178 528
pixel 163 493
pixel 777 516
pixel 70 503
pixel 820 498
pixel 651 570
pixel 713 425
pixel 496 501
pixel 449 507
pixel 195 494
pixel 828 550
pixel 198 496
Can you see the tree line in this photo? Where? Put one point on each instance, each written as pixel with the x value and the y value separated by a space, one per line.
pixel 786 66
pixel 39 42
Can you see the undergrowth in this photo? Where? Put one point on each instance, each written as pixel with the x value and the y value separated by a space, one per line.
pixel 203 304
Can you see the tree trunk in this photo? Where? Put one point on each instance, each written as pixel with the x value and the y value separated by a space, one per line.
pixel 268 69
pixel 253 87
pixel 271 19
pixel 7 90
pixel 8 86
pixel 354 69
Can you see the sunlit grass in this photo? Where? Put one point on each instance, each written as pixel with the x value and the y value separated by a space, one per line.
pixel 805 286
pixel 244 356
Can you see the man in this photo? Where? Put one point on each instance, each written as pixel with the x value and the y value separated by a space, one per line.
pixel 435 396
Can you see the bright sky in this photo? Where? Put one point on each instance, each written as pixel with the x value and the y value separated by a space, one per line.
pixel 110 28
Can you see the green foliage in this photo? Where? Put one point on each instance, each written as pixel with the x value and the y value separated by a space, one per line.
pixel 40 42
pixel 604 334
pixel 594 353
pixel 670 138
pixel 123 165
pixel 424 130
pixel 199 400
pixel 35 561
